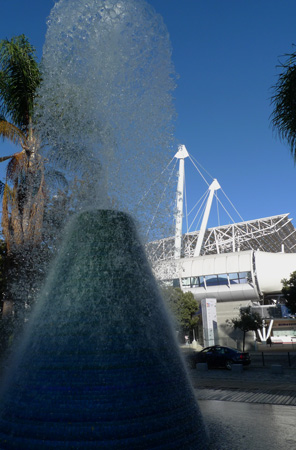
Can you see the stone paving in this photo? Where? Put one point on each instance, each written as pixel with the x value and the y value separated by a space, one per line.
pixel 255 384
pixel 248 396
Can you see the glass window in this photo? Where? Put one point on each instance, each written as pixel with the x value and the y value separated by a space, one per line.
pixel 240 278
pixel 245 277
pixel 218 350
pixel 211 280
pixel 194 282
pixel 243 274
pixel 186 282
pixel 176 282
pixel 234 278
pixel 222 279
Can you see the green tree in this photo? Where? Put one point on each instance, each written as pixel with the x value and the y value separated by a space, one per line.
pixel 247 321
pixel 24 190
pixel 289 292
pixel 183 307
pixel 283 117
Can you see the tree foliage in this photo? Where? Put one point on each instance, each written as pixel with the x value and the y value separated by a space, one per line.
pixel 289 292
pixel 183 307
pixel 19 78
pixel 247 321
pixel 283 117
pixel 24 192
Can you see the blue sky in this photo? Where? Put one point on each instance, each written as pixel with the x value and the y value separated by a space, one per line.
pixel 226 53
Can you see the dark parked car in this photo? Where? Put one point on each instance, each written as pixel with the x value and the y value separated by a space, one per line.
pixel 218 356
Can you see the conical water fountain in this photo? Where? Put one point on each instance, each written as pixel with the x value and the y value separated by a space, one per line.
pixel 99 366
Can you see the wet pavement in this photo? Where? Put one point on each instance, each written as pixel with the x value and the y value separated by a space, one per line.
pixel 252 409
pixel 246 426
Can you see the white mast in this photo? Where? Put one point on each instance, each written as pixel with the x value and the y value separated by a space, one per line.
pixel 181 155
pixel 214 187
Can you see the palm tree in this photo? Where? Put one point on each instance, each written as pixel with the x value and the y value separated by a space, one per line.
pixel 283 117
pixel 24 189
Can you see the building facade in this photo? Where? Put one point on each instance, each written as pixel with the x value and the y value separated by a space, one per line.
pixel 241 278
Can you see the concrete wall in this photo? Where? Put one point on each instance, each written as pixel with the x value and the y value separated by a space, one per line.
pixel 226 335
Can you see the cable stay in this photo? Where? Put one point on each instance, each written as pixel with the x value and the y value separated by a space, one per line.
pixel 155 181
pixel 181 155
pixel 198 215
pixel 161 196
pixel 265 234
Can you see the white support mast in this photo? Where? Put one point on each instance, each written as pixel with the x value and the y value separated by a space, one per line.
pixel 181 155
pixel 214 187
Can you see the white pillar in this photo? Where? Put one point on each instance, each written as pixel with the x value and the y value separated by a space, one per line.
pixel 181 155
pixel 214 187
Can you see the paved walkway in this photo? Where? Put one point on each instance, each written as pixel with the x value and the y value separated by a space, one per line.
pixel 249 396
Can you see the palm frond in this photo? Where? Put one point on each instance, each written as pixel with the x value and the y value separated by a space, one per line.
pixel 5 158
pixel 17 165
pixel 2 187
pixel 12 133
pixel 19 78
pixel 283 117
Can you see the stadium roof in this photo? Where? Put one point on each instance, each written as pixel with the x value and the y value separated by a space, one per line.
pixel 271 234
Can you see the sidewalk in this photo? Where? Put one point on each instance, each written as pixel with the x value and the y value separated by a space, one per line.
pixel 255 378
pixel 252 385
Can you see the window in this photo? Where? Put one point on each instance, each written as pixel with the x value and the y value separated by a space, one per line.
pixel 240 278
pixel 211 280
pixel 201 281
pixel 217 280
pixel 176 283
pixel 220 350
pixel 186 282
pixel 194 282
pixel 223 279
pixel 233 278
pixel 245 277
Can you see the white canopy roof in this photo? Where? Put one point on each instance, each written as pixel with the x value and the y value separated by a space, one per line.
pixel 271 234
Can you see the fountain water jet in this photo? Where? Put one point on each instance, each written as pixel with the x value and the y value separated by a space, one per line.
pixel 105 104
pixel 99 366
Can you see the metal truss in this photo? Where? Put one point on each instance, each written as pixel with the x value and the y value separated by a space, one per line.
pixel 271 234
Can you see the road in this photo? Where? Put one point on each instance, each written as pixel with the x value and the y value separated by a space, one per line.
pixel 248 426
